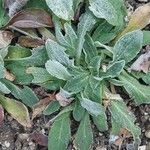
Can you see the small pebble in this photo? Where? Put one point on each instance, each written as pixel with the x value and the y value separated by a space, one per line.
pixel 147 133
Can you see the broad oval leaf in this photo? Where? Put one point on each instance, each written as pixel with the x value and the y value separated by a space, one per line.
pixel 93 108
pixel 105 9
pixel 84 136
pixel 57 52
pixel 114 69
pixel 128 46
pixel 31 18
pixel 61 8
pixel 124 118
pixel 60 134
pixel 17 110
pixel 139 92
pixel 57 70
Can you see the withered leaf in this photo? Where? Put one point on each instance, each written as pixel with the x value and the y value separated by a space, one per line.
pixel 26 41
pixel 5 38
pixel 9 76
pixel 64 98
pixel 17 110
pixel 139 19
pixel 39 138
pixel 142 63
pixel 41 105
pixel 31 18
pixel 1 114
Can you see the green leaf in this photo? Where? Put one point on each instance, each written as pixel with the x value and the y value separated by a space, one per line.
pixel 107 9
pixel 15 52
pixel 26 95
pixel 128 46
pixel 19 71
pixel 146 78
pixel 84 136
pixel 17 110
pixel 3 16
pixel 146 38
pixel 94 90
pixel 77 83
pixel 51 108
pixel 62 8
pixel 93 108
pixel 87 21
pixel 2 70
pixel 101 122
pixel 140 93
pixel 104 33
pixel 40 74
pixel 124 118
pixel 57 52
pixel 69 40
pixel 60 134
pixel 78 111
pixel 4 89
pixel 38 58
pixel 89 49
pixel 114 69
pixel 57 70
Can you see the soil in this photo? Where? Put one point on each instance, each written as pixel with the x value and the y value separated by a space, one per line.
pixel 14 137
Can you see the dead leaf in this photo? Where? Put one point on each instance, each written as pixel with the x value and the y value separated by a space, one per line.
pixel 14 6
pixel 41 105
pixel 39 138
pixel 1 114
pixel 139 19
pixel 123 134
pixel 26 41
pixel 31 18
pixel 64 98
pixel 9 76
pixel 5 38
pixel 142 63
pixel 17 110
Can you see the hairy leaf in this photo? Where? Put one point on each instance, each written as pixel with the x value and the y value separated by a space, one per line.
pixel 139 92
pixel 84 136
pixel 87 21
pixel 51 108
pixel 107 9
pixel 61 8
pixel 124 118
pixel 93 108
pixel 60 134
pixel 128 46
pixel 57 70
pixel 57 52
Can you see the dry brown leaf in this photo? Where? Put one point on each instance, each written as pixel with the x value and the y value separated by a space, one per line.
pixel 122 135
pixel 39 138
pixel 14 6
pixel 9 76
pixel 41 105
pixel 142 63
pixel 31 18
pixel 26 41
pixel 5 38
pixel 64 98
pixel 1 114
pixel 139 19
